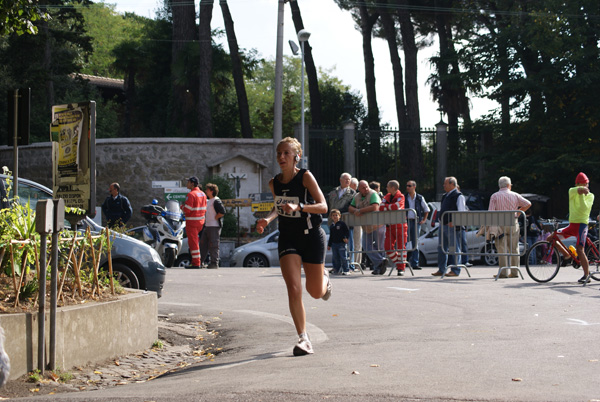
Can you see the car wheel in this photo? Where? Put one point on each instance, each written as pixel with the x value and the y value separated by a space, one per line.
pixel 256 260
pixel 490 258
pixel 184 260
pixel 125 276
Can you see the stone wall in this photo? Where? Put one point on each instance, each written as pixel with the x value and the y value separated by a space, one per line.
pixel 135 162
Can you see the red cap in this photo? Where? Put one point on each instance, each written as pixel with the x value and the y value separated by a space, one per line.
pixel 582 178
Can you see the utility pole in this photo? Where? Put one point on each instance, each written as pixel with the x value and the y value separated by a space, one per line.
pixel 278 107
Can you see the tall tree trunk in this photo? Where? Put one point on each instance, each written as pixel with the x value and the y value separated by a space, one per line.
pixel 184 88
pixel 130 99
pixel 409 45
pixel 445 37
pixel 205 70
pixel 366 28
pixel 47 63
pixel 414 160
pixel 389 30
pixel 311 70
pixel 238 75
pixel 505 80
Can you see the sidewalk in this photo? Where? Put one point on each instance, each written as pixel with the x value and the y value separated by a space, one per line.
pixel 186 341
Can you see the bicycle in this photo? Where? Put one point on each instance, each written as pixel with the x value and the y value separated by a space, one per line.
pixel 547 259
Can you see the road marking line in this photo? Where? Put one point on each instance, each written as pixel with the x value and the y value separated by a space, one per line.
pixel 407 289
pixel 581 322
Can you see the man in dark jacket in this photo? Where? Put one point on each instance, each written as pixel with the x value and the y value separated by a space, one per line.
pixel 453 200
pixel 117 209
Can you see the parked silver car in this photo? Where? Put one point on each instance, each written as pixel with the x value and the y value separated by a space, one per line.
pixel 264 253
pixel 135 264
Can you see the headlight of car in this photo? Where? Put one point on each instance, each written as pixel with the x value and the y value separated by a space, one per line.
pixel 155 256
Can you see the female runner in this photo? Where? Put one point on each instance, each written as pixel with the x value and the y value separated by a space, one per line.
pixel 299 203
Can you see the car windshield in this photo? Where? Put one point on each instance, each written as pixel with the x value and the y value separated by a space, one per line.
pixel 30 193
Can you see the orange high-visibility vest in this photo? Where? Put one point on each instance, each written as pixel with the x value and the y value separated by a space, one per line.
pixel 195 208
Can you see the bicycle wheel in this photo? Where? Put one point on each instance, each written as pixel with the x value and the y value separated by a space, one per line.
pixel 593 256
pixel 542 262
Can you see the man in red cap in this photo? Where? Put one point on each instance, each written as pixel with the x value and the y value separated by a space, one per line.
pixel 580 205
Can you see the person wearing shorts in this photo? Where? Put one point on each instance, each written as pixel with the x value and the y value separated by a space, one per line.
pixel 299 203
pixel 580 206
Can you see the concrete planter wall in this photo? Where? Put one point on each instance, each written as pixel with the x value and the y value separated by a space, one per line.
pixel 85 333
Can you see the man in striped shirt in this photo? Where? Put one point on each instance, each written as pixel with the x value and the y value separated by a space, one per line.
pixel 507 200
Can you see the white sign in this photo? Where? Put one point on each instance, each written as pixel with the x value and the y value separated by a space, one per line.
pixel 177 190
pixel 165 183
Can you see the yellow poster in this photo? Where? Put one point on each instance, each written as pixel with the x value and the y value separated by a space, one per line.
pixel 70 124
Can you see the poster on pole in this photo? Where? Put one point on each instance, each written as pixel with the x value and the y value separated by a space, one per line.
pixel 73 136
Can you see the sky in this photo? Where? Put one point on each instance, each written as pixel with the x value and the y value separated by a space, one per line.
pixel 336 44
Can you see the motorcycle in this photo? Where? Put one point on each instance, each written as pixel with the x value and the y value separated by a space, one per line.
pixel 164 229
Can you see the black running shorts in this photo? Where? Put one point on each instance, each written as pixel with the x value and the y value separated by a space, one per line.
pixel 310 247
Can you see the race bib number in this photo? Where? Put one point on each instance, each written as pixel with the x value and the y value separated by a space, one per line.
pixel 280 201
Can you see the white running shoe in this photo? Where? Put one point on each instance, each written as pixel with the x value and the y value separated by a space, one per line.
pixel 303 347
pixel 327 294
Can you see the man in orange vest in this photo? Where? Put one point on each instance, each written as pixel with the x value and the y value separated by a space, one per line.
pixel 194 209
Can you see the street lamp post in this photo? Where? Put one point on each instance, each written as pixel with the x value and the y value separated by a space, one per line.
pixel 278 100
pixel 303 36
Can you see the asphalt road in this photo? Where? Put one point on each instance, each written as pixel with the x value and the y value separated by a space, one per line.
pixel 385 339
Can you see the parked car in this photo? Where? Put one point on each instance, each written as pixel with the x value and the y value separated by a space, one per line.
pixel 135 264
pixel 264 253
pixel 428 247
pixel 430 223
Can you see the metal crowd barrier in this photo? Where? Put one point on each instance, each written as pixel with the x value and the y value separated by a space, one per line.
pixel 496 228
pixel 383 219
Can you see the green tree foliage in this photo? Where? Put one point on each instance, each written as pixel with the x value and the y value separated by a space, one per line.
pixel 339 103
pixel 19 16
pixel 107 29
pixel 145 63
pixel 44 63
pixel 539 59
pixel 260 97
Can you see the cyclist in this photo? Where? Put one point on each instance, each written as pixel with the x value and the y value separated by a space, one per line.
pixel 580 206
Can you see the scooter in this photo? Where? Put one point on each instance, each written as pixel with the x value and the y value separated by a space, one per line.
pixel 164 229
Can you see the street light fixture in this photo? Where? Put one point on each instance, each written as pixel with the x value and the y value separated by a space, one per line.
pixel 303 36
pixel 294 47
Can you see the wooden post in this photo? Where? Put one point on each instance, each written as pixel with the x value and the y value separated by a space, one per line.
pixel 62 282
pixel 12 265
pixel 110 267
pixel 23 263
pixel 89 235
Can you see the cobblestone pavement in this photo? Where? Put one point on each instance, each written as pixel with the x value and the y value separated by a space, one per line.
pixel 185 341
